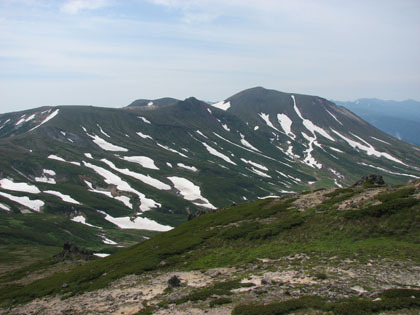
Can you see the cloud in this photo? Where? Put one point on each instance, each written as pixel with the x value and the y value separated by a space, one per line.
pixel 74 6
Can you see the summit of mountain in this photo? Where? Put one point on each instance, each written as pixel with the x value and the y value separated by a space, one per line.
pixel 153 104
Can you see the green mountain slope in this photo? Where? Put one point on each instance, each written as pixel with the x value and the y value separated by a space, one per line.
pixel 147 167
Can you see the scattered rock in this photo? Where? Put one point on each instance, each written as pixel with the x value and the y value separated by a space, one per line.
pixel 372 179
pixel 72 252
pixel 174 282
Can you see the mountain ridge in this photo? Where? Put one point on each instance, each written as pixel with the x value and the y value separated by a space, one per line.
pixel 132 168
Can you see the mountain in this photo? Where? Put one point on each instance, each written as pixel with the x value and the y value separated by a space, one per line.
pixel 353 250
pixel 117 176
pixel 399 119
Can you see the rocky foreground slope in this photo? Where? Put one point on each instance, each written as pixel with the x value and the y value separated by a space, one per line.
pixel 352 250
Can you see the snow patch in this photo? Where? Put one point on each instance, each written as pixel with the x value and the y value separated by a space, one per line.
pixel 49 117
pixel 144 161
pixel 190 168
pixel 171 150
pixel 201 134
pixel 137 223
pixel 226 127
pixel 82 219
pixel 218 154
pixel 388 171
pixel 56 157
pixel 144 178
pixel 105 145
pixel 286 125
pixel 310 125
pixel 190 191
pixel 65 198
pixel 101 255
pixel 266 118
pixel 247 144
pixel 334 117
pixel 89 156
pixel 4 207
pixel 112 179
pixel 222 105
pixel 260 166
pixel 368 148
pixel 144 119
pixel 25 201
pixel 103 132
pixel 380 140
pixel 7 184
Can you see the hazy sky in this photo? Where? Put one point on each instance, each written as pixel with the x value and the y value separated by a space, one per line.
pixel 111 52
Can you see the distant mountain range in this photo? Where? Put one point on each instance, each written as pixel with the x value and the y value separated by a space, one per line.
pixel 399 119
pixel 116 173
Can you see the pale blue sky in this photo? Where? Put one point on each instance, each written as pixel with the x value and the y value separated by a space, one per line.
pixel 111 52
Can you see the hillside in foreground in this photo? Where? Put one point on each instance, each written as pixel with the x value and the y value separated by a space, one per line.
pixel 352 250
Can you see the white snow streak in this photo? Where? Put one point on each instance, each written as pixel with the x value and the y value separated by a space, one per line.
pixel 286 125
pixel 5 123
pixel 172 150
pixel 144 136
pixel 56 157
pixel 218 154
pixel 144 161
pixel 247 144
pixel 190 191
pixel 105 145
pixel 65 198
pixel 201 134
pixel 225 127
pixel 82 219
pixel 370 150
pixel 221 105
pixel 380 140
pixel 4 207
pixel 190 168
pixel 260 166
pixel 310 125
pixel 144 119
pixel 7 184
pixel 50 116
pixel 266 118
pixel 333 116
pixel 112 179
pixel 103 132
pixel 137 223
pixel 145 179
pixel 388 171
pixel 25 201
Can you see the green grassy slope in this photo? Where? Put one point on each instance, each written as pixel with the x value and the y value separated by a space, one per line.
pixel 387 225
